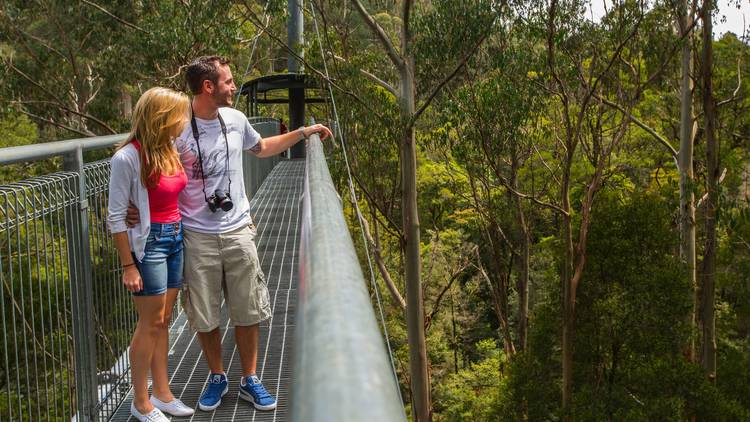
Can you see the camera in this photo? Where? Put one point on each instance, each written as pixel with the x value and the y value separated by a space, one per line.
pixel 220 200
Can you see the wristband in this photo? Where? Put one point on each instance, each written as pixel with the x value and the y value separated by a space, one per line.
pixel 128 265
pixel 302 131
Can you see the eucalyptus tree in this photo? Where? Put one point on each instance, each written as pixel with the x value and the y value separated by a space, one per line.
pixel 432 51
pixel 588 68
pixel 67 63
pixel 685 20
pixel 684 13
pixel 713 169
pixel 53 58
pixel 492 118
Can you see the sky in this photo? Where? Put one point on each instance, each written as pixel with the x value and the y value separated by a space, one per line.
pixel 734 20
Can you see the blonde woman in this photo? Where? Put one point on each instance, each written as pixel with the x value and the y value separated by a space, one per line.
pixel 147 172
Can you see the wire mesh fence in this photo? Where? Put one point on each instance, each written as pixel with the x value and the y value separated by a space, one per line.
pixel 36 369
pixel 39 264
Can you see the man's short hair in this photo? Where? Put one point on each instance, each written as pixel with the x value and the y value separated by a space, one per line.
pixel 201 69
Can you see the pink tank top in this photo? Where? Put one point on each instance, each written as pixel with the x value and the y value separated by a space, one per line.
pixel 162 199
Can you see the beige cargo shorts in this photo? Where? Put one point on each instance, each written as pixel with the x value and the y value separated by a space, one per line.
pixel 228 263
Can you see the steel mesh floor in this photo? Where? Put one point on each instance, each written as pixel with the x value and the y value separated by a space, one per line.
pixel 276 212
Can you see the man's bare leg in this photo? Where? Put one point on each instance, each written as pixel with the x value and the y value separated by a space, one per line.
pixel 251 390
pixel 246 338
pixel 211 346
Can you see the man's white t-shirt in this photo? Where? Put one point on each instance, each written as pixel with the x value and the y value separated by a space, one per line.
pixel 218 172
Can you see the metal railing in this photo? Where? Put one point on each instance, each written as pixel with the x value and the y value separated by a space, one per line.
pixel 65 318
pixel 256 169
pixel 340 357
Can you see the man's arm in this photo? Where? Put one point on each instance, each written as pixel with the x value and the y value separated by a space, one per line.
pixel 134 216
pixel 273 145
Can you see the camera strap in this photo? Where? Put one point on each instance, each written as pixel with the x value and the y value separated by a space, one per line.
pixel 196 136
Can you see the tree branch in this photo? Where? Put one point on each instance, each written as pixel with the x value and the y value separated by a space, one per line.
pixel 381 35
pixel 436 307
pixel 395 230
pixel 369 76
pixel 118 19
pixel 640 124
pixel 69 110
pixel 532 198
pixel 592 86
pixel 375 245
pixel 447 79
pixel 33 82
pixel 700 202
pixel 737 90
pixel 60 125
pixel 405 29
pixel 40 41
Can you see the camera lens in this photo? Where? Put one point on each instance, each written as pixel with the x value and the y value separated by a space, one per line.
pixel 226 204
pixel 220 200
pixel 225 201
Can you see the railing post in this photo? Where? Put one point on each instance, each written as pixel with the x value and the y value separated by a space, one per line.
pixel 81 291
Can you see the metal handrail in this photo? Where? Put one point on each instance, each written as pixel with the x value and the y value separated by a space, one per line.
pixel 43 151
pixel 34 152
pixel 341 369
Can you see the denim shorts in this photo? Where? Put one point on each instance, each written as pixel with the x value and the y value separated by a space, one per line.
pixel 161 267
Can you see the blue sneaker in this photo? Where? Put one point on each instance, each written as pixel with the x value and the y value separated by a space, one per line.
pixel 253 391
pixel 211 397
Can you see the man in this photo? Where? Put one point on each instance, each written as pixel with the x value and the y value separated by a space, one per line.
pixel 220 251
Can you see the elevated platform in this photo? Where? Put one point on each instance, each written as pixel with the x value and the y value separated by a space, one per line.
pixel 276 209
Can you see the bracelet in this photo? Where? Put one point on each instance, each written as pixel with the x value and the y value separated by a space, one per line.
pixel 302 130
pixel 128 265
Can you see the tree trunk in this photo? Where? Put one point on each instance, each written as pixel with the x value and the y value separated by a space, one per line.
pixel 522 282
pixel 374 241
pixel 126 103
pixel 685 162
pixel 708 325
pixel 420 379
pixel 568 294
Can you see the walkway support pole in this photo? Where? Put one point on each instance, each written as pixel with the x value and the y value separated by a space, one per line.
pixel 341 366
pixel 295 38
pixel 81 290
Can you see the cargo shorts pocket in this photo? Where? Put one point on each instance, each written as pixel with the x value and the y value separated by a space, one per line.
pixel 185 301
pixel 189 309
pixel 262 297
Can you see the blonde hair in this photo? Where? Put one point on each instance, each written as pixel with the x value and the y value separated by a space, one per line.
pixel 158 118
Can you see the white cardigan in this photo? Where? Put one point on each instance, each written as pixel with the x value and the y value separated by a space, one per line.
pixel 125 186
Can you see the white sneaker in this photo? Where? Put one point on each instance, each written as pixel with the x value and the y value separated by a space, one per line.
pixel 152 416
pixel 174 408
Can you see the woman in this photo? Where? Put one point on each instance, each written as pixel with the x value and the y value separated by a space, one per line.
pixel 146 171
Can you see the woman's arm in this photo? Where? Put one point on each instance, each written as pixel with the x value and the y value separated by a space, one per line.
pixel 121 177
pixel 131 278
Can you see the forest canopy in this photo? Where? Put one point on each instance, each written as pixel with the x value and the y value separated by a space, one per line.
pixel 556 207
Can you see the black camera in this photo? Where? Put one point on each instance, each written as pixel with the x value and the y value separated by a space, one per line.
pixel 220 200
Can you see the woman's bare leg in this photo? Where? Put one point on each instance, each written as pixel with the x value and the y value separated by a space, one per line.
pixel 150 320
pixel 160 361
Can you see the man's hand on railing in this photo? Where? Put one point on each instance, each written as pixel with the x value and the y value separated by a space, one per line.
pixel 134 217
pixel 321 130
pixel 131 278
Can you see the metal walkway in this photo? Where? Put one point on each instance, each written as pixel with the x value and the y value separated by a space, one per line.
pixel 276 212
